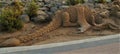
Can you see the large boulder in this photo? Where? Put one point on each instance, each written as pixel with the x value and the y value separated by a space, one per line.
pixel 39 19
pixel 25 18
pixel 42 16
pixel 41 13
pixel 10 42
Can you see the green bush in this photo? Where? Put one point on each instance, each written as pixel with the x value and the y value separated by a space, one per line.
pixel 17 7
pixel 32 9
pixel 2 4
pixel 8 22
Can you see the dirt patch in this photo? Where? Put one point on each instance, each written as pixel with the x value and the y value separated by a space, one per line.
pixel 69 34
pixel 61 34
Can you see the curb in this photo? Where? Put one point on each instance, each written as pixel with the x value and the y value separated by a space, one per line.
pixel 63 46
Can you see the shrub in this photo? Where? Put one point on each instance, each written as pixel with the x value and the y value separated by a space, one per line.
pixel 32 9
pixel 8 22
pixel 2 4
pixel 17 7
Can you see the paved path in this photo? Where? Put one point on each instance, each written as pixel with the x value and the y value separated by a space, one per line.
pixel 113 48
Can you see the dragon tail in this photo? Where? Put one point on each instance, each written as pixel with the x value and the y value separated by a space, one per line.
pixel 54 24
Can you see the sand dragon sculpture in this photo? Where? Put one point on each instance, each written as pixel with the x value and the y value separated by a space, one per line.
pixel 78 15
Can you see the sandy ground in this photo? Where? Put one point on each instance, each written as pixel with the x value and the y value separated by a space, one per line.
pixel 61 34
pixel 71 33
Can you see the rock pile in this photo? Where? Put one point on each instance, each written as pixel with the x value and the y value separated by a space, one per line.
pixel 115 9
pixel 42 16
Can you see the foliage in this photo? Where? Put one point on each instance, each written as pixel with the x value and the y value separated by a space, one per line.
pixel 32 9
pixel 2 4
pixel 17 7
pixel 35 0
pixel 8 21
pixel 74 2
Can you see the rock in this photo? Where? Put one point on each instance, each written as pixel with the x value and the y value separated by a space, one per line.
pixel 43 9
pixel 90 5
pixel 41 13
pixel 113 13
pixel 116 2
pixel 101 6
pixel 53 9
pixel 10 42
pixel 63 7
pixel 39 19
pixel 104 14
pixel 42 16
pixel 41 4
pixel 50 14
pixel 118 14
pixel 115 7
pixel 25 18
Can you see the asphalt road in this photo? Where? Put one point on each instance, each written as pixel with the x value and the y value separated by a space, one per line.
pixel 113 48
